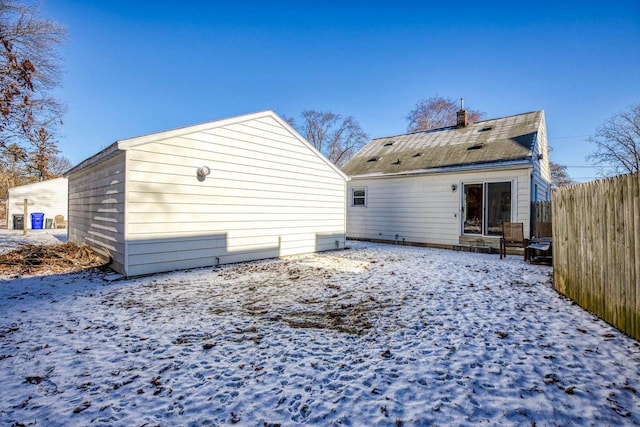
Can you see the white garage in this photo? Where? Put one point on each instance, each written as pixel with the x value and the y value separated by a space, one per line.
pixel 243 188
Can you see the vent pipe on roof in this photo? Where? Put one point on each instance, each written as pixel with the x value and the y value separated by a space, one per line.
pixel 462 117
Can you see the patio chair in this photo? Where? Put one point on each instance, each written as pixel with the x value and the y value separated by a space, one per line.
pixel 512 237
pixel 542 229
pixel 58 221
pixel 539 249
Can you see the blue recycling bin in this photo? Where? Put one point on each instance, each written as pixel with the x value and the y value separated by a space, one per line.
pixel 37 221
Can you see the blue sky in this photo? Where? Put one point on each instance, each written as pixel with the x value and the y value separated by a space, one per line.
pixel 136 67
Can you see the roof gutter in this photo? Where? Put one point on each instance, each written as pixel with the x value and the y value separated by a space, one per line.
pixel 510 165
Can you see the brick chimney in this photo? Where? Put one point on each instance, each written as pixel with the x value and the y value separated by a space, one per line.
pixel 462 119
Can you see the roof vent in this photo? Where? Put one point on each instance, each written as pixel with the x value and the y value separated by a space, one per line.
pixel 417 155
pixel 397 162
pixel 486 128
pixel 373 159
pixel 476 146
pixel 388 144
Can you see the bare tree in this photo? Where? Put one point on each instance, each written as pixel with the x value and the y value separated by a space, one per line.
pixel 29 70
pixel 559 175
pixel 58 165
pixel 44 147
pixel 617 143
pixel 335 136
pixel 437 112
pixel 13 168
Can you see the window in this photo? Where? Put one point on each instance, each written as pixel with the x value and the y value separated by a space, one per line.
pixel 498 206
pixel 359 196
pixel 486 206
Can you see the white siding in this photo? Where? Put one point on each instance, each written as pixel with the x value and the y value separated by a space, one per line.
pixel 423 209
pixel 268 194
pixel 48 197
pixel 96 208
pixel 541 183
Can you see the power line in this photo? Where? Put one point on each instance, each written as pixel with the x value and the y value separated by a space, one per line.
pixel 569 137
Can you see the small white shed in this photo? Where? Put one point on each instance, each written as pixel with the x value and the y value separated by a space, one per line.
pixel 238 189
pixel 48 197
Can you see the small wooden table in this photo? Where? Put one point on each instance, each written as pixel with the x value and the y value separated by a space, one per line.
pixel 541 245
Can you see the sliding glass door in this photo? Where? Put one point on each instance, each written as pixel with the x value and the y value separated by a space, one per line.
pixel 486 206
pixel 473 201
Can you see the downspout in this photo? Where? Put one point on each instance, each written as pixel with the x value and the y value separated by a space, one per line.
pixel 344 210
pixel 125 201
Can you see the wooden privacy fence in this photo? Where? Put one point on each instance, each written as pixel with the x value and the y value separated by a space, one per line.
pixel 541 218
pixel 596 248
pixel 541 212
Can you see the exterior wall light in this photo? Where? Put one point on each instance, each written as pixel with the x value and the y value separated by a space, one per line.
pixel 454 187
pixel 203 172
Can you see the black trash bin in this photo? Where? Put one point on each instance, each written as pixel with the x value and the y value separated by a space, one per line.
pixel 18 222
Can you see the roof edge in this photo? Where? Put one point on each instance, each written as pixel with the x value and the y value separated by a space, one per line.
pixel 104 154
pixel 34 184
pixel 302 139
pixel 125 144
pixel 454 126
pixel 512 164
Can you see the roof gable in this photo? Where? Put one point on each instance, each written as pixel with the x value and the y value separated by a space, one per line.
pixel 487 142
pixel 125 144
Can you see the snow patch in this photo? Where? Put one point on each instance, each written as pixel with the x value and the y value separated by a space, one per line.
pixel 373 335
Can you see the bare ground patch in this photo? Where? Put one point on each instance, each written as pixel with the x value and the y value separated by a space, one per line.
pixel 298 291
pixel 31 259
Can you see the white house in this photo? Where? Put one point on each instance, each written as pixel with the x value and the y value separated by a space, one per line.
pixel 231 190
pixel 450 186
pixel 48 197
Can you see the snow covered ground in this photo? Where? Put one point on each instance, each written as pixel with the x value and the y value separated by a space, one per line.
pixel 375 335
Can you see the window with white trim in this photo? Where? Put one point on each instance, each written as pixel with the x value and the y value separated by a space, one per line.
pixel 359 196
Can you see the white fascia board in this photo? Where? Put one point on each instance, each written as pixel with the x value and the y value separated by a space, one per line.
pixel 308 145
pixel 124 144
pixel 36 185
pixel 107 153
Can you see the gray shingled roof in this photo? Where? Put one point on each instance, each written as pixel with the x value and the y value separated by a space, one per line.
pixel 489 141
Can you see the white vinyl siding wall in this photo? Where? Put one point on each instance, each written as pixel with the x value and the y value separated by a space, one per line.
pixel 96 208
pixel 268 195
pixel 48 197
pixel 541 178
pixel 423 209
